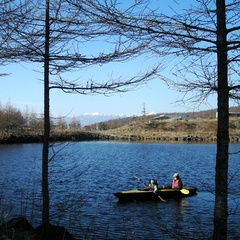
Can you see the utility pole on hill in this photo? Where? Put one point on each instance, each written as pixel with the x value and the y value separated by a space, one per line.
pixel 144 110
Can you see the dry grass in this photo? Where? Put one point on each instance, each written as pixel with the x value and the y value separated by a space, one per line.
pixel 175 129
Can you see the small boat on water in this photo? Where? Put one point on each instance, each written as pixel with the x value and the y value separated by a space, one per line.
pixel 146 194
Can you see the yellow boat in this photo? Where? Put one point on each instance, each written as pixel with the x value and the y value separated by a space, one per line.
pixel 146 194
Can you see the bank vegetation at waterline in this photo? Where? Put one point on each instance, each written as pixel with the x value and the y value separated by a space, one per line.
pixel 135 129
pixel 197 130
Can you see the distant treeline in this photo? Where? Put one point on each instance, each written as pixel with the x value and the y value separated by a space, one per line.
pixel 13 121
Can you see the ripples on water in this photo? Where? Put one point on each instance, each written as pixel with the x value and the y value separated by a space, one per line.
pixel 84 176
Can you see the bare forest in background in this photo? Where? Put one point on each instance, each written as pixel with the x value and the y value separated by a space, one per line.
pixel 18 123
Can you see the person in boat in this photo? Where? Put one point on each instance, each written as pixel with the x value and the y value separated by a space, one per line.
pixel 176 182
pixel 153 185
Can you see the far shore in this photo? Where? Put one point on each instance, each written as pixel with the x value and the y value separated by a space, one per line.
pixel 139 130
pixel 106 136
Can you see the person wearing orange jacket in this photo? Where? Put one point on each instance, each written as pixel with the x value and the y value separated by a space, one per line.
pixel 176 182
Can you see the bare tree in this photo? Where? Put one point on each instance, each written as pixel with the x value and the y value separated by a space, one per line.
pixel 61 123
pixel 75 124
pixel 52 33
pixel 202 46
pixel 12 17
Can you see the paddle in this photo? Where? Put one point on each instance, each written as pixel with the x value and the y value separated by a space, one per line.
pixel 139 179
pixel 184 191
pixel 147 186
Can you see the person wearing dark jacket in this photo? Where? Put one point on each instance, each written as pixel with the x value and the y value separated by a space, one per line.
pixel 153 185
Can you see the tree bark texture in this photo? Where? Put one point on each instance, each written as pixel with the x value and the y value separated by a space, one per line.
pixel 221 175
pixel 45 190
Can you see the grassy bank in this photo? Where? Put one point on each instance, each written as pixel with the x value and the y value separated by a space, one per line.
pixel 199 129
pixel 139 129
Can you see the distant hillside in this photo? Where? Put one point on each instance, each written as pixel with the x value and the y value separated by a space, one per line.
pixel 201 126
pixel 111 124
pixel 93 118
pixel 119 122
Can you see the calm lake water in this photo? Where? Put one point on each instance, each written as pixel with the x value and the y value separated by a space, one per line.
pixel 84 176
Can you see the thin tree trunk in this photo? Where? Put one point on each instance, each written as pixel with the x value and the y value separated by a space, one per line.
pixel 45 190
pixel 221 177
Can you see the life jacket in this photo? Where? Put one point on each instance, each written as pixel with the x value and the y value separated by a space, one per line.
pixel 151 185
pixel 175 183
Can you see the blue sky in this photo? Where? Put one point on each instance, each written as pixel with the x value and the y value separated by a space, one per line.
pixel 23 88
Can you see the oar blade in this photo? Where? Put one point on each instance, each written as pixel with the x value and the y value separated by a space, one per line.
pixel 184 191
pixel 163 200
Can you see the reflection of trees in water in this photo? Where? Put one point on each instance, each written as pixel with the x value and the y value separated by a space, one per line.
pixel 180 209
pixel 183 222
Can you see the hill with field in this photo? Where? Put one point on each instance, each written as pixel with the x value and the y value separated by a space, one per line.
pixel 197 126
pixel 192 126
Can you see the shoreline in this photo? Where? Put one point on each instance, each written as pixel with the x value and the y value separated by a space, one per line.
pixel 103 136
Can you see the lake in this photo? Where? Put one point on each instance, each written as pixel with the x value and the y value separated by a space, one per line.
pixel 84 175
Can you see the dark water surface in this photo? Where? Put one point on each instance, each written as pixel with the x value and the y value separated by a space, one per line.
pixel 83 177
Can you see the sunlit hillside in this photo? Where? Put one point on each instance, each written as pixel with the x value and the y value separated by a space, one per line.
pixel 202 125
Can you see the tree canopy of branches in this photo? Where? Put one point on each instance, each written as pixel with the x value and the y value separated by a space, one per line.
pixel 54 33
pixel 201 45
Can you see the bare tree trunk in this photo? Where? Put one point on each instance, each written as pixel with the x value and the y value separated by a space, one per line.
pixel 45 190
pixel 221 178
